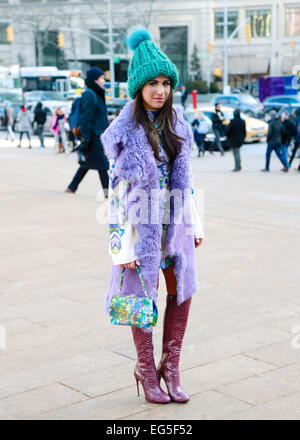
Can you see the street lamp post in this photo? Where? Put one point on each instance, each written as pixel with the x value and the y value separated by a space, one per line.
pixel 225 36
pixel 111 50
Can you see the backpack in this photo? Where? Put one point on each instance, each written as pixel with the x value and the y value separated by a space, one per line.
pixel 74 117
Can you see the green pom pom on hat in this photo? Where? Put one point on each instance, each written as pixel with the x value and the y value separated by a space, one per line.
pixel 147 63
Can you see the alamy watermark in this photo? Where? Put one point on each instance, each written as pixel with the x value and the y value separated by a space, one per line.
pixel 137 206
pixel 2 338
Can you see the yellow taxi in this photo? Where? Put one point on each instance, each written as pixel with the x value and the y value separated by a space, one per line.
pixel 256 129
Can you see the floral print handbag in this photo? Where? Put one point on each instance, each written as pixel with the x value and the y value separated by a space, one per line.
pixel 136 311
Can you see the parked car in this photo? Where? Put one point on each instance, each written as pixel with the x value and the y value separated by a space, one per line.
pixel 290 109
pixel 243 101
pixel 114 106
pixel 41 95
pixel 279 102
pixel 256 129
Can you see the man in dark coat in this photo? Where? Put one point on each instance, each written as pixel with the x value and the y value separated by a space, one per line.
pixel 290 133
pixel 236 133
pixel 93 122
pixel 40 118
pixel 297 137
pixel 218 128
pixel 275 136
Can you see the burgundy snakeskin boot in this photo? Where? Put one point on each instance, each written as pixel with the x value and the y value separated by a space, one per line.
pixel 145 369
pixel 175 321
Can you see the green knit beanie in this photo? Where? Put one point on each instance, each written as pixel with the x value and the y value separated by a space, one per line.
pixel 147 63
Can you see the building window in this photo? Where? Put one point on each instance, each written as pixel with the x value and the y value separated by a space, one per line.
pixel 260 22
pixel 233 17
pixel 292 21
pixel 3 35
pixel 98 48
pixel 174 42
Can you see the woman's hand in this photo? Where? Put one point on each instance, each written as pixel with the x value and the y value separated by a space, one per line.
pixel 198 242
pixel 130 265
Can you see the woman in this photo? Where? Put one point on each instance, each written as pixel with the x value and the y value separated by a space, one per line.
pixel 24 125
pixel 149 146
pixel 57 126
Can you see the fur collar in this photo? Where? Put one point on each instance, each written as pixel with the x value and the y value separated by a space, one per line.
pixel 116 136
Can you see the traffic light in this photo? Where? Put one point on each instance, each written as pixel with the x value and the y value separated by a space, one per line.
pixel 218 72
pixel 210 47
pixel 248 34
pixel 292 44
pixel 10 34
pixel 60 40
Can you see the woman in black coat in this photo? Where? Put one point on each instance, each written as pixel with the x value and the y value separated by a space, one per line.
pixel 93 122
pixel 236 133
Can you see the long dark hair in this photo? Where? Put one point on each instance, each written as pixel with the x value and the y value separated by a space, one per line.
pixel 165 120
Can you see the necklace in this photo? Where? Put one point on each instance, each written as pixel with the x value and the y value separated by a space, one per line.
pixel 155 127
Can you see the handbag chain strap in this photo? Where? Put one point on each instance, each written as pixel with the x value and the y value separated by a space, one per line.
pixel 141 278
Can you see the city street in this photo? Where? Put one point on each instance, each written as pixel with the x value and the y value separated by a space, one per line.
pixel 62 359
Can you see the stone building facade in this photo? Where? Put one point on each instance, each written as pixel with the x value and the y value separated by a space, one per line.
pixel 175 25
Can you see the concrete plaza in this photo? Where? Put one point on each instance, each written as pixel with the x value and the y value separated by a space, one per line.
pixel 64 360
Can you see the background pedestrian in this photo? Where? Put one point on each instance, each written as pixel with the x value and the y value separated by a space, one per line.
pixel 218 119
pixel 24 125
pixel 297 137
pixel 57 127
pixel 9 121
pixel 40 118
pixel 289 133
pixel 275 136
pixel 236 133
pixel 92 122
pixel 184 95
pixel 200 129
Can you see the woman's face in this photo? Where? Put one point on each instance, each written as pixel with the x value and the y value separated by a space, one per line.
pixel 156 92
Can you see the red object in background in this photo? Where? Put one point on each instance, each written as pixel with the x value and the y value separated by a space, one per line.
pixel 194 98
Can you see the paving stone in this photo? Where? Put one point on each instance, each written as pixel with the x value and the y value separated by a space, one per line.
pixel 56 371
pixel 112 406
pixel 18 325
pixel 104 381
pixel 279 354
pixel 206 351
pixel 205 406
pixel 266 386
pixel 284 408
pixel 225 371
pixel 32 403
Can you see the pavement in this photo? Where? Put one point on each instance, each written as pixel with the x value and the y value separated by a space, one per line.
pixel 60 358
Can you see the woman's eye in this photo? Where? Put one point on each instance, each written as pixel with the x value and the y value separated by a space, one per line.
pixel 152 83
pixel 167 83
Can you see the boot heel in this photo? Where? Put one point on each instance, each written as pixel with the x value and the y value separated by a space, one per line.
pixel 137 387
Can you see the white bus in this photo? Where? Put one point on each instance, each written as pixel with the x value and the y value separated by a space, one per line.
pixel 66 82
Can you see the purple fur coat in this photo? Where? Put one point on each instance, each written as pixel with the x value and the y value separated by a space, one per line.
pixel 135 163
